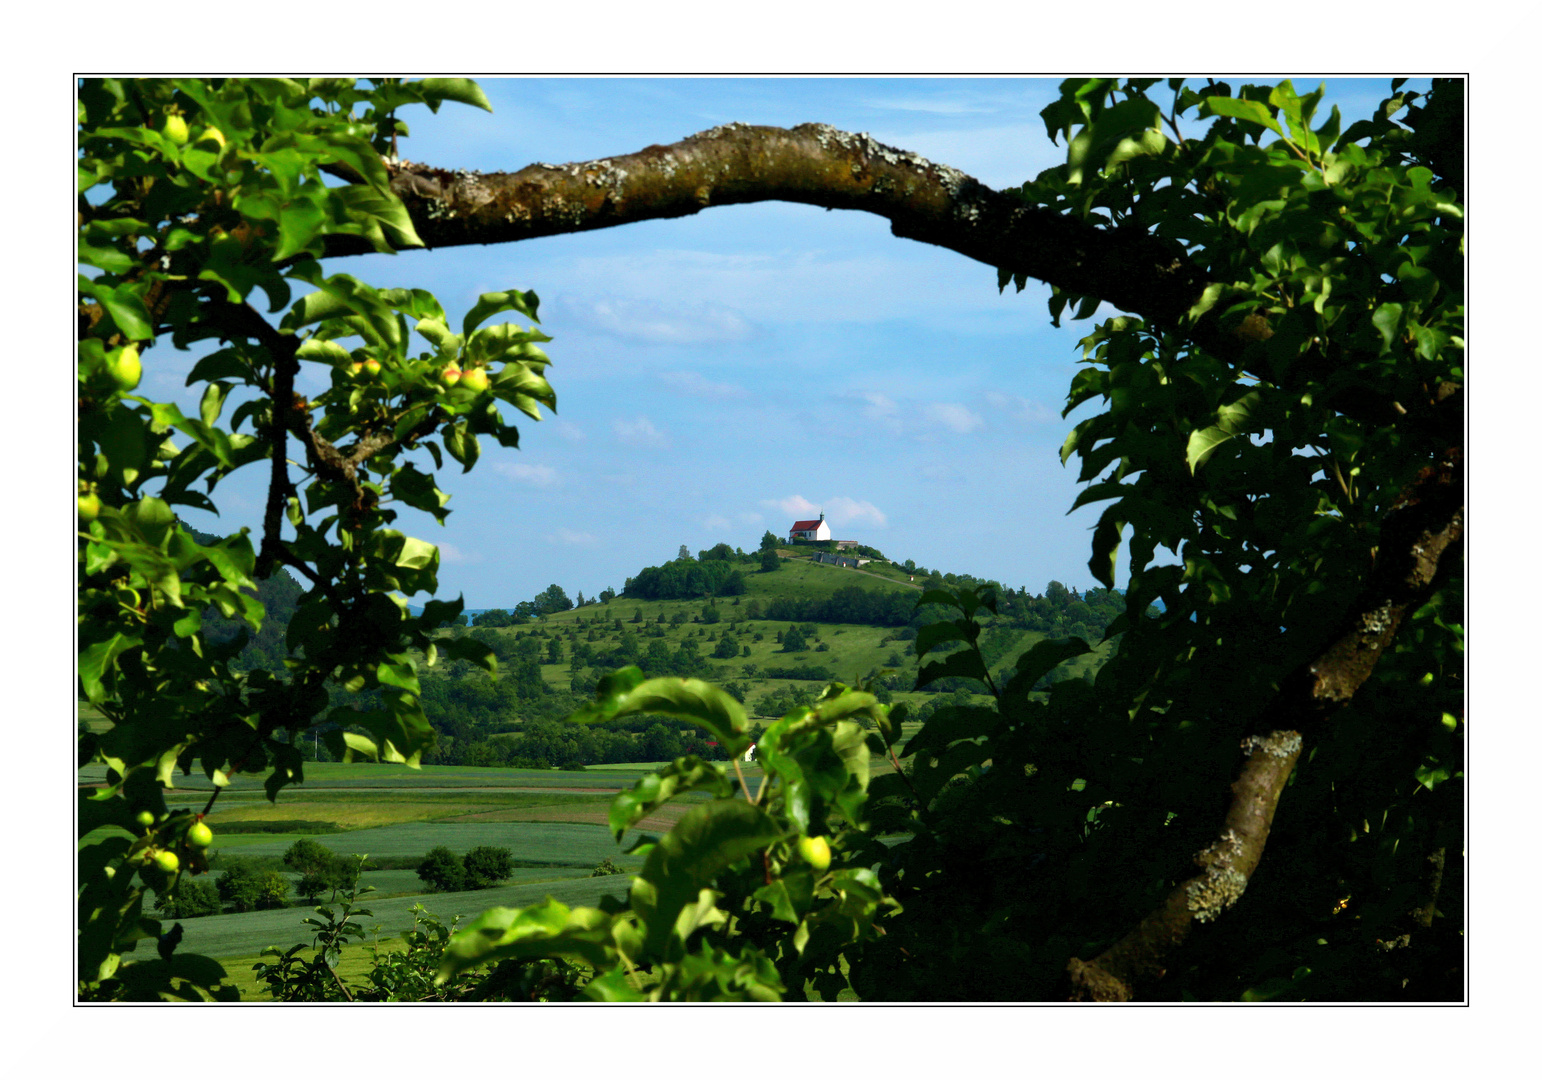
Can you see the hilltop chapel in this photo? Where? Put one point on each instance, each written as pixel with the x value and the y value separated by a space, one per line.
pixel 810 530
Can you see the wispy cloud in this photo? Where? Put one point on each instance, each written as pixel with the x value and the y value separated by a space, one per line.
pixel 796 505
pixel 568 430
pixel 841 510
pixel 882 410
pixel 956 418
pixel 716 521
pixel 539 475
pixel 1020 409
pixel 697 385
pixel 639 432
pixel 449 553
pixel 650 322
pixel 574 538
pixel 896 417
pixel 845 511
pixel 934 106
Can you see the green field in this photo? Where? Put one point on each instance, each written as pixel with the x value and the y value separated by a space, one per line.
pixel 249 933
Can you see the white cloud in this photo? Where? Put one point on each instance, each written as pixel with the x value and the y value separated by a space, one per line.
pixel 882 409
pixel 841 510
pixel 539 475
pixel 651 322
pixel 571 537
pixel 1021 409
pixel 449 553
pixel 697 385
pixel 639 432
pixel 796 505
pixel 568 430
pixel 955 418
pixel 716 521
pixel 844 511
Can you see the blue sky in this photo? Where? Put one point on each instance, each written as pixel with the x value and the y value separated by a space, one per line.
pixel 727 373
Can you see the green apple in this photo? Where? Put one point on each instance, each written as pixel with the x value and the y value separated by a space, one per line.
pixel 474 379
pixel 372 367
pixel 815 851
pixel 199 834
pixel 90 505
pixel 146 819
pixel 450 375
pixel 166 860
pixel 125 368
pixel 175 129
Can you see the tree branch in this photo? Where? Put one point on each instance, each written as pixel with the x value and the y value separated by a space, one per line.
pixel 818 165
pixel 1420 544
pixel 813 164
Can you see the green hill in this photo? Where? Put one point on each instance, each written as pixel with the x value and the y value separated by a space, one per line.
pixel 550 664
pixel 772 637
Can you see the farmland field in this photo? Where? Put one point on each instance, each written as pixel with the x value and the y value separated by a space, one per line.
pixel 249 933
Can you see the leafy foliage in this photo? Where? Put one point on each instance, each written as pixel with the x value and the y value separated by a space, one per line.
pixel 193 194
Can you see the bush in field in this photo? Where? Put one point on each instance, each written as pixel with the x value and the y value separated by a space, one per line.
pixel 487 866
pixel 272 890
pixel 321 869
pixel 442 871
pixel 239 884
pixel 191 899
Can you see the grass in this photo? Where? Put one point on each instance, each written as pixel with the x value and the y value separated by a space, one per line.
pixel 247 934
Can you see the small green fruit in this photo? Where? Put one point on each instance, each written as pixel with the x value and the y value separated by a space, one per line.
pixel 372 367
pixel 175 129
pixel 199 834
pixel 90 506
pixel 125 368
pixel 474 379
pixel 450 375
pixel 815 851
pixel 166 860
pixel 145 818
pixel 212 134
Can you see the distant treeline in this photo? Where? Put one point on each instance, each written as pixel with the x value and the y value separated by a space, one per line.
pixel 686 579
pixel 848 604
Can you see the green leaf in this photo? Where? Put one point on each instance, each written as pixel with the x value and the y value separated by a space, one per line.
pixel 686 774
pixel 1038 661
pixel 1254 112
pixel 97 659
pixel 951 724
pixel 1386 320
pixel 465 91
pixel 1106 539
pixel 490 304
pixel 706 841
pixel 965 664
pixel 686 699
pixel 462 445
pixel 547 929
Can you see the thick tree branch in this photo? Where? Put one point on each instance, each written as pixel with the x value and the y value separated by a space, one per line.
pixel 1420 543
pixel 813 164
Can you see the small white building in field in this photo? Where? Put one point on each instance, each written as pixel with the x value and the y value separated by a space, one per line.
pixel 810 530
